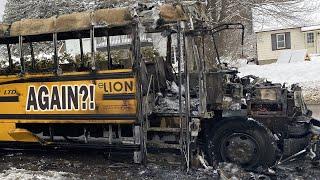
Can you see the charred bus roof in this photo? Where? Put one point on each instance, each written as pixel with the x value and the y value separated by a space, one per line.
pixel 117 21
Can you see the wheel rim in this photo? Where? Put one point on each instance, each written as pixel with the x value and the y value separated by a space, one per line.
pixel 239 148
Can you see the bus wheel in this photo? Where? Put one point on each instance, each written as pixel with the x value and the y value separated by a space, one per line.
pixel 242 142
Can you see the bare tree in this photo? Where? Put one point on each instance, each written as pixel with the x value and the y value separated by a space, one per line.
pixel 228 11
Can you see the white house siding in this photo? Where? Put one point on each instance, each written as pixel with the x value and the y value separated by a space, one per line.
pixel 264 44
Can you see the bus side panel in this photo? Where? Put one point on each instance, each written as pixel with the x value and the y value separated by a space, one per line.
pixel 103 99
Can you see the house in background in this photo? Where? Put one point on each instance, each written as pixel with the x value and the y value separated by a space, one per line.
pixel 277 33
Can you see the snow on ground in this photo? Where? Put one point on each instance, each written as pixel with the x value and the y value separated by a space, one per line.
pixel 306 73
pixel 14 173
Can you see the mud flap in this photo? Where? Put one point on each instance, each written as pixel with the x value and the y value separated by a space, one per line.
pixel 23 135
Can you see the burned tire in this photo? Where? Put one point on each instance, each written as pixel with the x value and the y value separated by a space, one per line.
pixel 243 142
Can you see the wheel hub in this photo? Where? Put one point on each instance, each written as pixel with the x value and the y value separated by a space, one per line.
pixel 239 148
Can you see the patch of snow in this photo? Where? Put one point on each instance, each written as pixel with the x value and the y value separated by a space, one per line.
pixel 235 63
pixel 314 57
pixel 310 28
pixel 291 56
pixel 22 174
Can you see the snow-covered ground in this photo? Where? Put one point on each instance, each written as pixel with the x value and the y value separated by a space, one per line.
pixel 14 174
pixel 306 73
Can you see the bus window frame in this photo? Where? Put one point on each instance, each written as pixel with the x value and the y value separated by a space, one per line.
pixel 82 63
pixel 57 69
pixel 93 51
pixel 22 61
pixel 110 64
pixel 10 57
pixel 92 33
pixel 33 60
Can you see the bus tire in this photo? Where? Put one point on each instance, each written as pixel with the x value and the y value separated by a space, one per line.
pixel 241 141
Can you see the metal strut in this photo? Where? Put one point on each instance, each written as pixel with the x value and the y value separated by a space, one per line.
pixel 139 132
pixel 187 102
pixel 217 29
pixel 184 112
pixel 180 85
pixel 22 62
pixel 55 56
pixel 93 49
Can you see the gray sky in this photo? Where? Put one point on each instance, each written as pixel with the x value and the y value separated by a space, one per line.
pixel 2 4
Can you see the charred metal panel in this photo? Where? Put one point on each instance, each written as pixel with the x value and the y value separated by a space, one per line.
pixel 292 146
pixel 268 100
pixel 215 91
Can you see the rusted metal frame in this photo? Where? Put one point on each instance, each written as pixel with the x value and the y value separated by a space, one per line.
pixel 139 92
pixel 217 29
pixel 22 62
pixel 203 53
pixel 10 57
pixel 137 67
pixel 183 127
pixel 93 49
pixel 148 93
pixel 187 98
pixel 284 101
pixel 81 52
pixel 202 96
pixel 110 63
pixel 178 49
pixel 33 60
pixel 200 71
pixel 55 56
pixel 216 49
pixel 119 131
pixel 169 50
pixel 179 68
pixel 157 76
pixel 110 134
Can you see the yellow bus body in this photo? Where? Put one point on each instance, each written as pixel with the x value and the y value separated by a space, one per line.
pixel 105 97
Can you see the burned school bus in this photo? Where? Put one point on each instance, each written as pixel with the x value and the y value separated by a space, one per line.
pixel 57 102
pixel 108 105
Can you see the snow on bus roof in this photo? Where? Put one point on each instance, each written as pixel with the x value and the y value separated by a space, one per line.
pixel 286 15
pixel 79 21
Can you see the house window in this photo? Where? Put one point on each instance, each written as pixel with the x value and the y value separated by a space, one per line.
pixel 281 41
pixel 310 38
